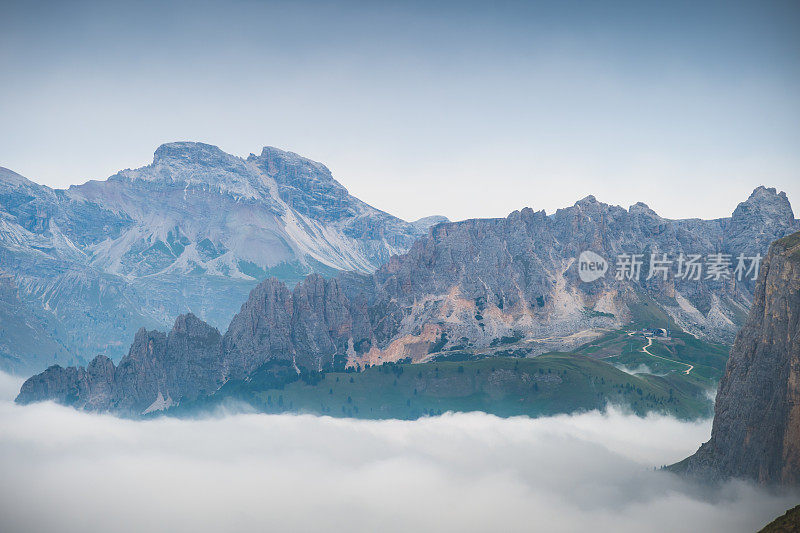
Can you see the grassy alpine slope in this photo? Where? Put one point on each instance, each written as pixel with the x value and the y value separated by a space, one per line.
pixel 546 385
pixel 675 353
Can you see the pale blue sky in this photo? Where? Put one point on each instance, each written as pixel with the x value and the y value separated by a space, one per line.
pixel 460 108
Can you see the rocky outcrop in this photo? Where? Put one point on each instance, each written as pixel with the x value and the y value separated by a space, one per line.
pixel 765 209
pixel 158 371
pixel 756 430
pixel 183 364
pixel 789 522
pixel 90 388
pixel 425 223
pixel 307 326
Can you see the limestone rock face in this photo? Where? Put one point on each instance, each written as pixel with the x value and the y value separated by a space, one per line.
pixel 193 363
pixel 766 209
pixel 308 326
pixel 184 364
pixel 756 431
pixel 484 279
pixel 261 330
pixel 425 223
pixel 89 388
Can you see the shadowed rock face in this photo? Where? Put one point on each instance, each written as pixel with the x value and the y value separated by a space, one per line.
pixel 756 431
pixel 90 388
pixel 307 326
pixel 185 363
pixel 158 371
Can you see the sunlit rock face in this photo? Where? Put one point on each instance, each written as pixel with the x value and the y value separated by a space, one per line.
pixel 756 431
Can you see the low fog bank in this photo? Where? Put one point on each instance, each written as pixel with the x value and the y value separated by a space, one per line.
pixel 9 386
pixel 641 368
pixel 69 471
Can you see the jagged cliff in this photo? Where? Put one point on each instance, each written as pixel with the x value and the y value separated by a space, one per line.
pixel 756 431
pixel 158 371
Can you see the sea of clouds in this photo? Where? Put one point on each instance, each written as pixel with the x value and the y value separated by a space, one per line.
pixel 63 470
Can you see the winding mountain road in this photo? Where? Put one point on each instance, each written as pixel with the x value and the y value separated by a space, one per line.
pixel 650 343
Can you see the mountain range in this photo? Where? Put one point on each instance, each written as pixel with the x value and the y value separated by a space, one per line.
pixel 464 285
pixel 196 230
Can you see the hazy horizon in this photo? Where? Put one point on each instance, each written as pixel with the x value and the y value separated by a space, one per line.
pixel 460 109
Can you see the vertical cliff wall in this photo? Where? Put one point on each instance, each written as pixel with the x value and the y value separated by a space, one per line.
pixel 756 431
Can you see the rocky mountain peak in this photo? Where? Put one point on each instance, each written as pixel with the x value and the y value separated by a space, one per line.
pixel 767 202
pixel 189 324
pixel 525 215
pixel 16 191
pixel 425 223
pixel 310 189
pixel 306 185
pixel 640 207
pixel 589 205
pixel 194 153
pixel 763 191
pixel 276 161
pixel 190 165
pixel 590 199
pixel 100 363
pixel 9 178
pixel 585 209
pixel 766 209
